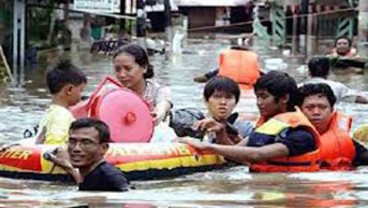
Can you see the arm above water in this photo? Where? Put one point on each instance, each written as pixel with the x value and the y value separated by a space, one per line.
pixel 242 154
pixel 62 159
pixel 362 100
pixel 163 104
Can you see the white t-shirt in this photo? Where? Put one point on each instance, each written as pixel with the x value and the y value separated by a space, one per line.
pixel 341 91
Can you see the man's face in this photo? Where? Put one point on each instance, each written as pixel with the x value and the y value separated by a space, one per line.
pixel 267 105
pixel 342 46
pixel 84 147
pixel 317 109
pixel 221 104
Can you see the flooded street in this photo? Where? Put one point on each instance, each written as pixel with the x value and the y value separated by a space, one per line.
pixel 22 108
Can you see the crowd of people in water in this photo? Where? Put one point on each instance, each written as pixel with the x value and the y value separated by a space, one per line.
pixel 298 128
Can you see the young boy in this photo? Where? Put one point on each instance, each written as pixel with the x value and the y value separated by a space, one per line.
pixel 221 94
pixel 65 83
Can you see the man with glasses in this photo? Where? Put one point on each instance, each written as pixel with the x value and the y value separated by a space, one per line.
pixel 84 157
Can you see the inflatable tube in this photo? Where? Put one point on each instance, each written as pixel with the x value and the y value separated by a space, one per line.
pixel 139 161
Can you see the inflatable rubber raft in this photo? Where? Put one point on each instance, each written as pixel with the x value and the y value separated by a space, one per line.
pixel 141 161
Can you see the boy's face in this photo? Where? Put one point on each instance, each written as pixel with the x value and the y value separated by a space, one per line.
pixel 317 109
pixel 267 104
pixel 74 93
pixel 220 104
pixel 84 147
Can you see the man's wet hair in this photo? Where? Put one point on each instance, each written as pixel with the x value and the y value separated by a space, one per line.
pixel 223 84
pixel 279 84
pixel 319 67
pixel 321 89
pixel 100 126
pixel 343 37
pixel 62 73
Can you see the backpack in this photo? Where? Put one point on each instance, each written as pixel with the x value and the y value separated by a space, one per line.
pixel 182 121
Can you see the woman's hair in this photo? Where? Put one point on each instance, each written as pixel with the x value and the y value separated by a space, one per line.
pixel 140 57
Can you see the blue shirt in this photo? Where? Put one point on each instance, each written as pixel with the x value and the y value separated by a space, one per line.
pixel 297 140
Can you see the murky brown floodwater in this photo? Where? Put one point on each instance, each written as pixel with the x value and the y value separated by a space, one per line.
pixel 21 108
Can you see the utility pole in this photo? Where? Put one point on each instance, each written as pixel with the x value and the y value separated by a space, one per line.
pixel 363 28
pixel 141 23
pixel 304 26
pixel 295 45
pixel 19 38
pixel 167 21
pixel 168 29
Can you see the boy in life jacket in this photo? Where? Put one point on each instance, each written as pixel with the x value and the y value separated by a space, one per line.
pixel 284 139
pixel 65 83
pixel 338 150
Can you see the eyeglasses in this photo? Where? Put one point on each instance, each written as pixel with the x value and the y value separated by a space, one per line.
pixel 83 143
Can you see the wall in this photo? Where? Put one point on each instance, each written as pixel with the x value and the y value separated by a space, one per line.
pixel 201 16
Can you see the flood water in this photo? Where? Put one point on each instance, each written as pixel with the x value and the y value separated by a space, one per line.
pixel 22 108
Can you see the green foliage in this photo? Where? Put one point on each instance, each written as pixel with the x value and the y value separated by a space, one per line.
pixel 39 26
pixel 39 19
pixel 6 13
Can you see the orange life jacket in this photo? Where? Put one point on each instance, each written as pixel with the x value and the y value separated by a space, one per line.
pixel 307 162
pixel 337 148
pixel 241 66
pixel 353 52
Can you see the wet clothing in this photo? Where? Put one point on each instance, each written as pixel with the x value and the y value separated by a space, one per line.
pixel 155 93
pixel 104 177
pixel 341 91
pixel 182 121
pixel 54 126
pixel 296 132
pixel 298 141
pixel 245 128
pixel 337 149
